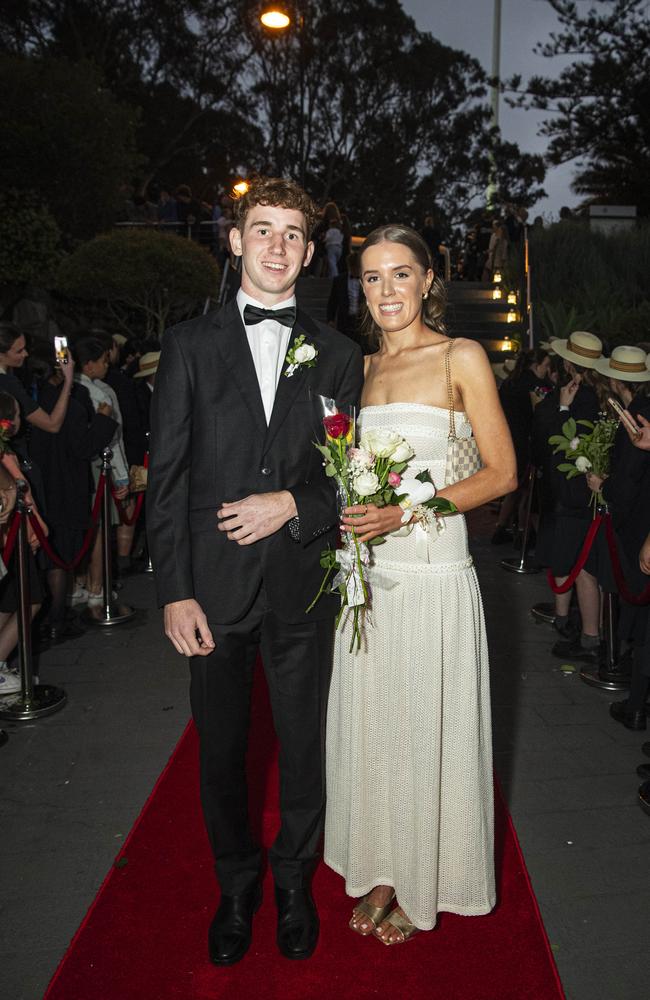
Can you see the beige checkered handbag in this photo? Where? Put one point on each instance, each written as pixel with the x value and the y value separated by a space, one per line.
pixel 463 458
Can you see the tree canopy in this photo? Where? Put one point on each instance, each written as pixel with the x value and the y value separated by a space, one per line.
pixel 354 101
pixel 599 106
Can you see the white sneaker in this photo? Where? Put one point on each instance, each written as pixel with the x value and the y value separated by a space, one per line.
pixel 96 600
pixel 9 682
pixel 78 596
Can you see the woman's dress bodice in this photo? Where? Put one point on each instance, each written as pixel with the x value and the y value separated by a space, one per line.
pixel 426 428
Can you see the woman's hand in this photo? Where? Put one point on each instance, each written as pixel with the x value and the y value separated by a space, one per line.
pixel 370 521
pixel 568 392
pixel 120 492
pixel 642 439
pixel 595 482
pixel 105 409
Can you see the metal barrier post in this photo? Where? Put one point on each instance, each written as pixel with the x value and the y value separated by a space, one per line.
pixel 34 700
pixel 609 676
pixel 520 565
pixel 109 613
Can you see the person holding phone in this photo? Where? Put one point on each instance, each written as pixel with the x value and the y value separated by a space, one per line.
pixel 13 352
pixel 627 493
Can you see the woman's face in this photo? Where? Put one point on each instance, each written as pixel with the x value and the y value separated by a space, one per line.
pixel 394 285
pixel 15 356
pixel 542 370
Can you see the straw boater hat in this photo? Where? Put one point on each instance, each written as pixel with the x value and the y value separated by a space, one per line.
pixel 582 348
pixel 629 364
pixel 148 364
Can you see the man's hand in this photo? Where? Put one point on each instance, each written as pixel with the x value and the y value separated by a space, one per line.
pixel 257 516
pixel 644 557
pixel 183 619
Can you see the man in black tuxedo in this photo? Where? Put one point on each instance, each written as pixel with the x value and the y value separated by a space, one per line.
pixel 238 510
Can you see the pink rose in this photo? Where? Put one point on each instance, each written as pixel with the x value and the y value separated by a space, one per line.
pixel 394 479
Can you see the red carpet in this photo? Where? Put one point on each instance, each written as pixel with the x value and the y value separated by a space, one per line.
pixel 144 937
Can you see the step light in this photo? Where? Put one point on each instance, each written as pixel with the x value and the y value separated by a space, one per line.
pixel 497 294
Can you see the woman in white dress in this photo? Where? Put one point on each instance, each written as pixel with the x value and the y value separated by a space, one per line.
pixel 409 821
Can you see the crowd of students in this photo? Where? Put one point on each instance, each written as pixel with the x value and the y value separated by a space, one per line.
pixel 545 387
pixel 57 415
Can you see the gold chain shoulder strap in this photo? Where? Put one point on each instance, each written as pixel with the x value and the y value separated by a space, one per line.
pixel 450 392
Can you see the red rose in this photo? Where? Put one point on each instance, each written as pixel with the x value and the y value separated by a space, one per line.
pixel 338 425
pixel 6 425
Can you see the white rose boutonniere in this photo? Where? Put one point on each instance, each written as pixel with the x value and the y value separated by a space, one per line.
pixel 300 354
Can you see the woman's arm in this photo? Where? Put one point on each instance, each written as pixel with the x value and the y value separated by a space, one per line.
pixel 472 375
pixel 52 422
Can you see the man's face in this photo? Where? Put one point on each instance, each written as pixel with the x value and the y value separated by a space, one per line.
pixel 274 249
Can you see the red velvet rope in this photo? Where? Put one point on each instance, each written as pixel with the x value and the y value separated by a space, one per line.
pixel 562 588
pixel 644 596
pixel 12 534
pixel 45 544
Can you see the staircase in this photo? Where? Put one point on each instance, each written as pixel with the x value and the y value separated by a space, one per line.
pixel 472 313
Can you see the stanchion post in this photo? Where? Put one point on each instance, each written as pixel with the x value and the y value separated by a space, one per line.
pixel 34 700
pixel 609 676
pixel 109 613
pixel 521 565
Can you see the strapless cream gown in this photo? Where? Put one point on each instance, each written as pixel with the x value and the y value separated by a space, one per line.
pixel 409 751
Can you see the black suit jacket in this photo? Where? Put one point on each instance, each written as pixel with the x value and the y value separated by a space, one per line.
pixel 210 443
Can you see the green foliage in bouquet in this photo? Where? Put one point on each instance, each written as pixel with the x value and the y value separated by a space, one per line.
pixel 587 452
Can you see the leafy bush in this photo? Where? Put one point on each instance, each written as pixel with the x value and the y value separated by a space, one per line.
pixel 157 277
pixel 29 240
pixel 589 280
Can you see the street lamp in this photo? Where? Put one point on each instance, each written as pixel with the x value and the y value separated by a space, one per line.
pixel 275 17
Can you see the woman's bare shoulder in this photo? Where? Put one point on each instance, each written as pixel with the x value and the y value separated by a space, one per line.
pixel 468 354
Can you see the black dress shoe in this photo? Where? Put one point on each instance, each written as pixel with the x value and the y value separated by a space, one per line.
pixel 230 932
pixel 644 797
pixel 298 922
pixel 643 770
pixel 574 650
pixel 631 720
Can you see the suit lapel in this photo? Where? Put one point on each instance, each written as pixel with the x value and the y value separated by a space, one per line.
pixel 232 343
pixel 288 388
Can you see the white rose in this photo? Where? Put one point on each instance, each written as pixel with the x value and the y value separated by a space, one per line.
pixel 306 352
pixel 582 463
pixel 380 442
pixel 360 458
pixel 403 452
pixel 574 443
pixel 365 484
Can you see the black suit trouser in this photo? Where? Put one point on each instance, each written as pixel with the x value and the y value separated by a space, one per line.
pixel 297 664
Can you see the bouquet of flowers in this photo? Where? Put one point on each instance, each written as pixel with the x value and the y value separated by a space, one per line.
pixel 369 473
pixel 587 452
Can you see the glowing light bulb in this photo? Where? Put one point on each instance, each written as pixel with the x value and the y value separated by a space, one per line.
pixel 497 279
pixel 497 294
pixel 239 189
pixel 276 19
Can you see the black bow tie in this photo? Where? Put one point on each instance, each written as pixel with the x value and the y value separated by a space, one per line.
pixel 255 314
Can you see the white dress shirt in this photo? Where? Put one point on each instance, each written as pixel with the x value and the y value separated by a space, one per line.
pixel 269 343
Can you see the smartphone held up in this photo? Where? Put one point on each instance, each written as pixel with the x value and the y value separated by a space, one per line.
pixel 61 350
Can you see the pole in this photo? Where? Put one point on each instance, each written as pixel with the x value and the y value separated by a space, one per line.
pixel 109 613
pixel 494 96
pixel 34 700
pixel 521 565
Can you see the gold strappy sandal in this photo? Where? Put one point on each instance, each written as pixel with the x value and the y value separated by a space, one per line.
pixel 401 923
pixel 375 914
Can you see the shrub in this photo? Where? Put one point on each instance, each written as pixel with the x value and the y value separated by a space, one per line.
pixel 591 280
pixel 29 240
pixel 158 278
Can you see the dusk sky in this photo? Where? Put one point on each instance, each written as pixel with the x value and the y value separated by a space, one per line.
pixel 467 24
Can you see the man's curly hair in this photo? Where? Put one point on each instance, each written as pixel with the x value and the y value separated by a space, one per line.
pixel 279 193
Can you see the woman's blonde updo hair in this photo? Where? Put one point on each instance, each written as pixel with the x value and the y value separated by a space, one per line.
pixel 433 305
